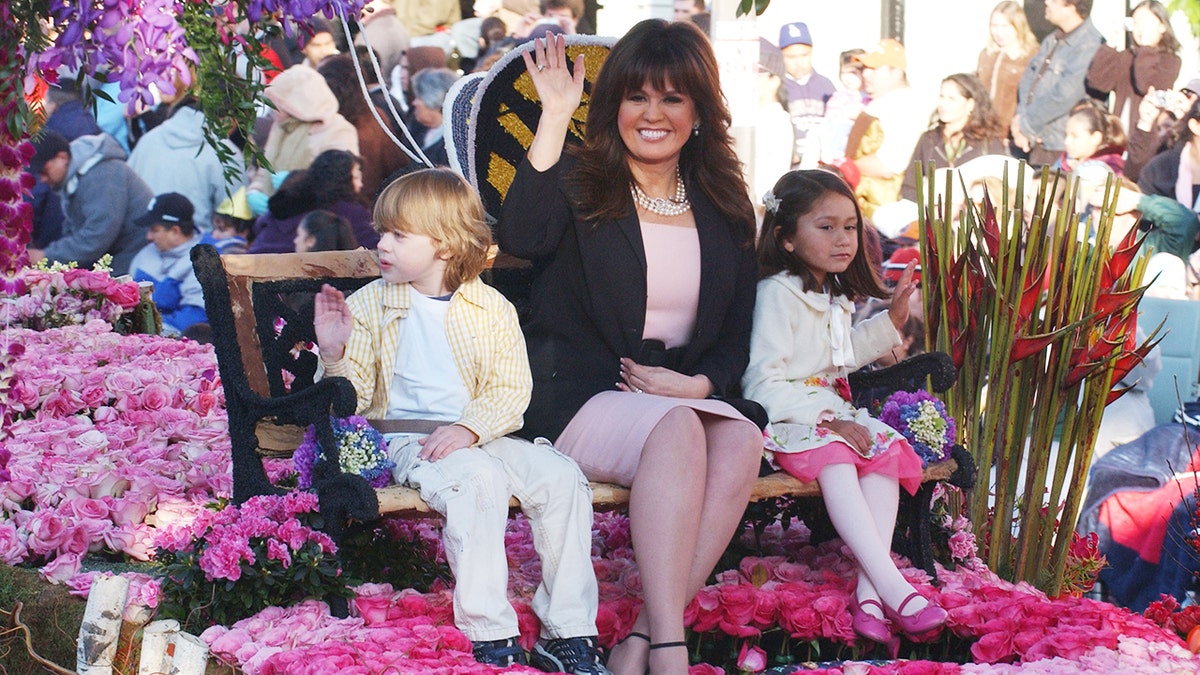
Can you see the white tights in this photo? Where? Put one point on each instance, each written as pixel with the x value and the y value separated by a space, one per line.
pixel 863 511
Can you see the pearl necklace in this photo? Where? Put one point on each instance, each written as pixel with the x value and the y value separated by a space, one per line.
pixel 664 206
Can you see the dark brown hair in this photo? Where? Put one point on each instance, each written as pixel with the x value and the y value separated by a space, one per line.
pixel 654 53
pixel 982 124
pixel 797 193
pixel 1096 116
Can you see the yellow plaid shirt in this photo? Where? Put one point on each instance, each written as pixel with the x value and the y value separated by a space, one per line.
pixel 485 338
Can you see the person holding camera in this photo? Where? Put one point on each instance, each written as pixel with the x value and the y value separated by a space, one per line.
pixel 1150 64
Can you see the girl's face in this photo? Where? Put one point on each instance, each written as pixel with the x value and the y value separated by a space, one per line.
pixel 851 79
pixel 826 238
pixel 1004 34
pixel 1080 141
pixel 1147 29
pixel 303 241
pixel 654 125
pixel 953 108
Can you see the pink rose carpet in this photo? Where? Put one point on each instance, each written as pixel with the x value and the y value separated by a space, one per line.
pixel 114 445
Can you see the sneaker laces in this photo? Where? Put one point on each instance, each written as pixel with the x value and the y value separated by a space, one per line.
pixel 503 653
pixel 578 655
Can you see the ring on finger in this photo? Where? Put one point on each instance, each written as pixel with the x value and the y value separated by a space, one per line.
pixel 541 67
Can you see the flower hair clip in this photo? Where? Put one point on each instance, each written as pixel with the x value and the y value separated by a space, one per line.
pixel 770 201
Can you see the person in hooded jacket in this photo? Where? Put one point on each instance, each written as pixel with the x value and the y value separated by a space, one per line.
pixel 306 124
pixel 174 157
pixel 101 199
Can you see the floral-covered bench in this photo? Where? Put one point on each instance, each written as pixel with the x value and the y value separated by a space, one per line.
pixel 260 309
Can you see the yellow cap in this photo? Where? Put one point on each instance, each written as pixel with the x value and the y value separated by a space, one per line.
pixel 236 206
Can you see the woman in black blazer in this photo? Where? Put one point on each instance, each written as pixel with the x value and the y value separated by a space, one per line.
pixel 642 241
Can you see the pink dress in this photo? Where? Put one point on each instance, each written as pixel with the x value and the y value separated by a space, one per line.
pixel 608 433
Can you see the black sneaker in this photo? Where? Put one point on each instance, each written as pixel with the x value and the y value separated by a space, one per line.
pixel 503 653
pixel 578 655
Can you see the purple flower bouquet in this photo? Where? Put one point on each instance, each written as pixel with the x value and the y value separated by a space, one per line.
pixel 922 419
pixel 361 450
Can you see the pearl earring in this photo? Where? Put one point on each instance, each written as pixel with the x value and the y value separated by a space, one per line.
pixel 696 129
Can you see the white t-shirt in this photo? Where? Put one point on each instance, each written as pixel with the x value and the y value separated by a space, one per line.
pixel 903 118
pixel 426 383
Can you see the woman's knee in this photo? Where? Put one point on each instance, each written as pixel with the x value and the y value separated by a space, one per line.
pixel 680 428
pixel 735 440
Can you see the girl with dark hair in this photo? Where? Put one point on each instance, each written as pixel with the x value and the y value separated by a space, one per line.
pixel 639 324
pixel 333 182
pixel 324 231
pixel 1094 134
pixel 963 127
pixel 801 349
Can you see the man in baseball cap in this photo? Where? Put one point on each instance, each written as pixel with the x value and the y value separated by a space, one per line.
pixel 167 262
pixel 894 111
pixel 807 90
pixel 101 198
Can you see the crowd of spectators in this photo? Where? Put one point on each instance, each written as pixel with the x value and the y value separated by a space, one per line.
pixel 1071 102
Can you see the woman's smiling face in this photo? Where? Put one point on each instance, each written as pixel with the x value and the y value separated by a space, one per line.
pixel 655 125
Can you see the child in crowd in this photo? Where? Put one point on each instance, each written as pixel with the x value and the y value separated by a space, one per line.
pixel 323 230
pixel 801 349
pixel 1095 134
pixel 430 341
pixel 231 225
pixel 167 262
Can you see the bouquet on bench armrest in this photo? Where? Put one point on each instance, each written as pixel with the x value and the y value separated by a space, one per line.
pixel 361 451
pixel 922 419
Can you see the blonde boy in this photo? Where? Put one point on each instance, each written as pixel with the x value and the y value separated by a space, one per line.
pixel 430 341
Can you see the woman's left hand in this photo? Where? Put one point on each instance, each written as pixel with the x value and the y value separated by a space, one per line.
pixel 660 381
pixel 902 294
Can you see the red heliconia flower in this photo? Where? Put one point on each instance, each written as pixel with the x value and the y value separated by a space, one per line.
pixel 1127 361
pixel 1121 258
pixel 1031 294
pixel 991 229
pixel 1109 302
pixel 1024 346
pixel 1116 393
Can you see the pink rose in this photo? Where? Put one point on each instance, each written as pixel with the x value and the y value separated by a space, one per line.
pixel 372 609
pixel 85 508
pixel 156 396
pixel 993 648
pixel 24 395
pixel 62 568
pixel 751 659
pixel 120 380
pixel 62 403
pixel 94 396
pixel 125 295
pixel 12 544
pixel 46 532
pixel 766 610
pixel 737 606
pixel 705 669
pixel 802 621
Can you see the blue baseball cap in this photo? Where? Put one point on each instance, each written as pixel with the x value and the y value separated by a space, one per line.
pixel 794 34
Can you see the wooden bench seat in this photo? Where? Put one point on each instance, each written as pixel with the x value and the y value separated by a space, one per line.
pixel 609 497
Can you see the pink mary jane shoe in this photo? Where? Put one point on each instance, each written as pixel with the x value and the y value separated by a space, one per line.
pixel 868 626
pixel 930 617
